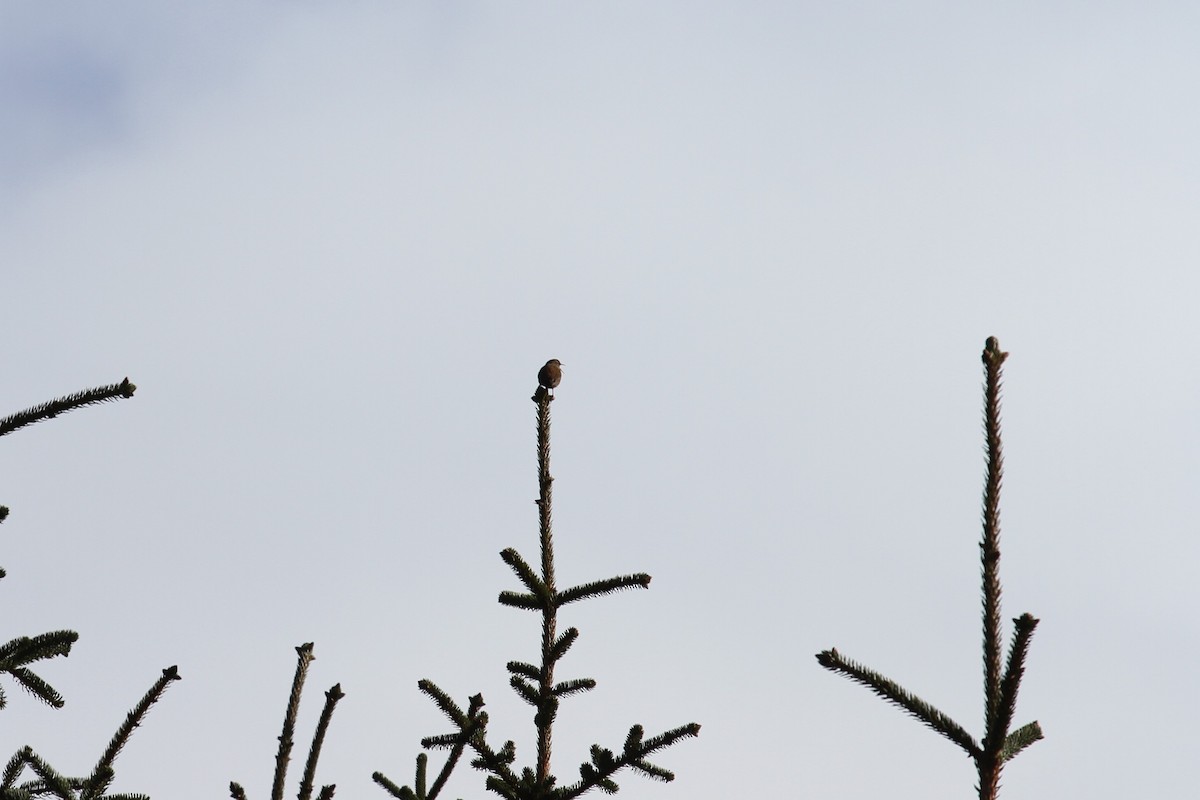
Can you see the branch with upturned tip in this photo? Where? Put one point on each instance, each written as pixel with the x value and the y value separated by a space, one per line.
pixel 24 650
pixel 132 720
pixel 1000 687
pixel 894 693
pixel 61 405
pixel 332 697
pixel 1014 670
pixel 49 782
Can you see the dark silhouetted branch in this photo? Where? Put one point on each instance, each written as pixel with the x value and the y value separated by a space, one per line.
pixel 1000 688
pixel 61 405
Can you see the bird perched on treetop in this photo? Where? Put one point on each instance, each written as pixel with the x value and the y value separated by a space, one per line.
pixel 550 375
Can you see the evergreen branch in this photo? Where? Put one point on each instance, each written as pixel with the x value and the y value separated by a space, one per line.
pixel 51 781
pixel 653 771
pixel 525 670
pixel 989 547
pixel 97 784
pixel 391 788
pixel 529 602
pixel 897 695
pixel 536 586
pixel 61 405
pixel 236 791
pixel 526 692
pixel 420 781
pixel 3 513
pixel 546 714
pixel 327 791
pixel 633 741
pixel 604 763
pixel 563 644
pixel 1013 671
pixel 594 777
pixel 498 767
pixel 27 649
pixel 632 749
pixel 1019 739
pixel 15 654
pixel 441 741
pixel 532 786
pixel 602 756
pixel 36 686
pixel 132 720
pixel 668 738
pixel 314 751
pixel 471 728
pixel 498 764
pixel 304 657
pixel 534 683
pixel 607 586
pixel 473 731
pixel 13 768
pixel 494 784
pixel 443 701
pixel 1000 688
pixel 574 686
pixel 547 707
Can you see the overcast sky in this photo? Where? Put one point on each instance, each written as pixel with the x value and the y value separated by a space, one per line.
pixel 333 243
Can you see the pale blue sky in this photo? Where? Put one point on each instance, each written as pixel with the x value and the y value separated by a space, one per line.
pixel 332 244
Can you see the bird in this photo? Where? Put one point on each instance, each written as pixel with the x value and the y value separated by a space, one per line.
pixel 550 375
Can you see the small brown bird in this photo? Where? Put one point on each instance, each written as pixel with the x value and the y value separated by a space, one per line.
pixel 550 375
